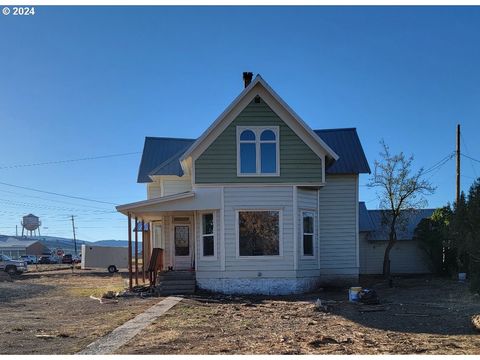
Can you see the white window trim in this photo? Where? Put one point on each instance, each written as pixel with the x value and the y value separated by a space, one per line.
pixel 280 235
pixel 159 224
pixel 214 234
pixel 190 238
pixel 257 131
pixel 302 233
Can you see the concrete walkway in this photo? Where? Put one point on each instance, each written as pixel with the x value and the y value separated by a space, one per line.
pixel 124 333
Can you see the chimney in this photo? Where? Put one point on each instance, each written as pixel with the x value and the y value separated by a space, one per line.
pixel 247 78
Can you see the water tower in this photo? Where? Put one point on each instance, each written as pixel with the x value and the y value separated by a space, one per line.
pixel 31 223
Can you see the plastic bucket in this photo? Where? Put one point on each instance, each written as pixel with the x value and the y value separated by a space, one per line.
pixel 353 293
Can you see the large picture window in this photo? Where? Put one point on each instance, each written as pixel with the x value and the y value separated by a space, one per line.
pixel 208 237
pixel 259 233
pixel 258 149
pixel 308 230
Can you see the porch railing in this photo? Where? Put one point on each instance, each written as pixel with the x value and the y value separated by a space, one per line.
pixel 155 265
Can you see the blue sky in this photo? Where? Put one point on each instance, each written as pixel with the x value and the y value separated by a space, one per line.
pixel 88 81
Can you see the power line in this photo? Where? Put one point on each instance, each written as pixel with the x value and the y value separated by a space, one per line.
pixel 48 207
pixel 58 194
pixel 440 163
pixel 471 158
pixel 52 200
pixel 67 161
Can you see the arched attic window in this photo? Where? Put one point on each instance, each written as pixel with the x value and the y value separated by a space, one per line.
pixel 258 151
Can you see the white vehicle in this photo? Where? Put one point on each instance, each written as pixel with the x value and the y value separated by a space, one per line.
pixel 29 259
pixel 108 257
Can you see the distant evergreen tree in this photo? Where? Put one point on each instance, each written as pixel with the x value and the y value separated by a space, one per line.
pixel 434 239
pixel 472 243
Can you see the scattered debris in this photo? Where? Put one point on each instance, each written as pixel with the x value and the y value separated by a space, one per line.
pixel 368 296
pixel 321 305
pixel 104 301
pixel 110 295
pixel 476 321
pixel 51 336
pixel 141 288
pixel 325 340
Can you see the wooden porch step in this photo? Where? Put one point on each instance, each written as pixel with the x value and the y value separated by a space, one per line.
pixel 181 282
pixel 176 275
pixel 175 292
pixel 176 282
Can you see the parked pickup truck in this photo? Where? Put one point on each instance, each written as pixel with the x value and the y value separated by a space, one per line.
pixel 13 267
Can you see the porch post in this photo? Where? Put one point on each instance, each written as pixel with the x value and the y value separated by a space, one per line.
pixel 129 251
pixel 143 251
pixel 136 251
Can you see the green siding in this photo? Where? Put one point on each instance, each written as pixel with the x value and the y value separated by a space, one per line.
pixel 218 163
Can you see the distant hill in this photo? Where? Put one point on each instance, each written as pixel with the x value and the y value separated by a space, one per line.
pixel 67 245
pixel 116 243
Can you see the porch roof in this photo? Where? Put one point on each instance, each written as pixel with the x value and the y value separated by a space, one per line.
pixel 200 199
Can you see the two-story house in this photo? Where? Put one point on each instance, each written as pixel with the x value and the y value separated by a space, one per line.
pixel 259 203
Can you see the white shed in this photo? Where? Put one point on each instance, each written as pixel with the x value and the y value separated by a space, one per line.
pixel 406 257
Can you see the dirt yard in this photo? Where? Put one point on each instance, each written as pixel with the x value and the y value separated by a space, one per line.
pixel 419 316
pixel 51 312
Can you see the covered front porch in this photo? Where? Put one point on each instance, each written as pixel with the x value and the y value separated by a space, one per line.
pixel 170 232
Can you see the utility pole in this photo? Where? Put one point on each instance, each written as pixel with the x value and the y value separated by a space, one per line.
pixel 74 238
pixel 458 164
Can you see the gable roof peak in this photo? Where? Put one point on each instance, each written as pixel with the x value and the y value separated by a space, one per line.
pixel 268 90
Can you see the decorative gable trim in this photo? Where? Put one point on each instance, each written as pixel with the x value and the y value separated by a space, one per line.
pixel 258 87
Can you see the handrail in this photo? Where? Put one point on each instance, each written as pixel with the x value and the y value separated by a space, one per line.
pixel 155 264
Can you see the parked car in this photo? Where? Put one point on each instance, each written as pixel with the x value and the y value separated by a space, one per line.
pixel 67 259
pixel 13 267
pixel 29 259
pixel 77 259
pixel 46 259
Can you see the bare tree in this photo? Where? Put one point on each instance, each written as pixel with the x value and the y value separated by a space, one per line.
pixel 399 191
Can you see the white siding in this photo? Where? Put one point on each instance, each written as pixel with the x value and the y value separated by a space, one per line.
pixel 168 185
pixel 270 197
pixel 154 190
pixel 176 185
pixel 405 257
pixel 307 201
pixel 338 225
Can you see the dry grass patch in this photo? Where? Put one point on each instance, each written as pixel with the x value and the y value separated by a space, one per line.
pixel 51 313
pixel 419 317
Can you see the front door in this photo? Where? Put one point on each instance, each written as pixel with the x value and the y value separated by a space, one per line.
pixel 182 243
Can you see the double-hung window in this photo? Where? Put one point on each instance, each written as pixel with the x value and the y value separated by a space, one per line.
pixel 258 151
pixel 208 237
pixel 308 233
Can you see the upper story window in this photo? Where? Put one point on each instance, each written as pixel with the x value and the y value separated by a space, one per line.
pixel 258 151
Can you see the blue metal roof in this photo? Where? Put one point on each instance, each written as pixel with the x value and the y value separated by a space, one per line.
pixel 364 221
pixel 161 155
pixel 346 144
pixel 380 231
pixel 158 151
